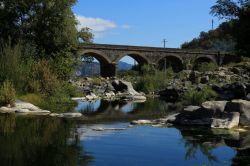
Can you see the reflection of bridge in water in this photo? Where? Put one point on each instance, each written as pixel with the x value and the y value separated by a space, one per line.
pixel 120 110
pixel 178 59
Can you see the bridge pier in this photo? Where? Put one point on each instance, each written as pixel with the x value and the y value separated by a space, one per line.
pixel 108 70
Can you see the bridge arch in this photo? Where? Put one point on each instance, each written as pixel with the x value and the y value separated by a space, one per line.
pixel 100 56
pixel 139 57
pixel 203 59
pixel 107 68
pixel 171 60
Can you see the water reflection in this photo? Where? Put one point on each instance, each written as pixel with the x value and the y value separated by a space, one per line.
pixel 122 110
pixel 39 141
pixel 51 141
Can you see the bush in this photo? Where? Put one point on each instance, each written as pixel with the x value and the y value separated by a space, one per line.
pixel 42 79
pixel 7 94
pixel 197 97
pixel 203 67
pixel 153 80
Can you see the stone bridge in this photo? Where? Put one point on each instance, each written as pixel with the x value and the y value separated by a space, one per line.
pixel 178 59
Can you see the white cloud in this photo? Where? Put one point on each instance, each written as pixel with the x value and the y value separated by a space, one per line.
pixel 96 24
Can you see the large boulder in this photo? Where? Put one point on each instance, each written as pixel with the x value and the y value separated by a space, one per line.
pixel 226 121
pixel 124 86
pixel 214 105
pixel 194 117
pixel 241 106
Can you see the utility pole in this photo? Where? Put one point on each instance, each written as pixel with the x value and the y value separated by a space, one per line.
pixel 212 24
pixel 165 41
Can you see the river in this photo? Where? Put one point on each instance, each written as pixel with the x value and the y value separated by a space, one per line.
pixel 46 141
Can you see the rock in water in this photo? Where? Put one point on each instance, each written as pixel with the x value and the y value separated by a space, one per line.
pixel 226 121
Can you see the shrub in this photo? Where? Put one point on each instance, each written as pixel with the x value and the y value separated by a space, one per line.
pixel 196 97
pixel 153 80
pixel 7 94
pixel 42 79
pixel 203 67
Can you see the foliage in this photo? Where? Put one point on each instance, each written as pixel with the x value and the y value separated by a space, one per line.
pixel 64 64
pixel 203 67
pixel 220 39
pixel 153 80
pixel 43 78
pixel 50 24
pixel 196 97
pixel 85 35
pixel 238 12
pixel 7 94
pixel 229 9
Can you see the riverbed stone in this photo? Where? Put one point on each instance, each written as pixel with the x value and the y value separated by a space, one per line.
pixel 70 115
pixel 141 122
pixel 7 110
pixel 214 105
pixel 191 108
pixel 226 121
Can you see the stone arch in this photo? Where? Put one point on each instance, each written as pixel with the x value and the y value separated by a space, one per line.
pixel 108 69
pixel 203 59
pixel 100 56
pixel 140 58
pixel 174 61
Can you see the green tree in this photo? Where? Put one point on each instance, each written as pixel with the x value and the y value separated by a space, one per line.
pixel 85 35
pixel 238 12
pixel 50 24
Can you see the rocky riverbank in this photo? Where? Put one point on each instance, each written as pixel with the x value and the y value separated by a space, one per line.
pixel 108 89
pixel 228 82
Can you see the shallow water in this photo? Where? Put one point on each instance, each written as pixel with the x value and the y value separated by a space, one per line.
pixel 40 141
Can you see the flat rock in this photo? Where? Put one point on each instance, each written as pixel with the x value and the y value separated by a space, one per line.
pixel 141 122
pixel 7 110
pixel 108 129
pixel 70 115
pixel 25 105
pixel 78 98
pixel 214 105
pixel 191 108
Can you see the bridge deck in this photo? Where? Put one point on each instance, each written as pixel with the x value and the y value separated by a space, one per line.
pixel 151 49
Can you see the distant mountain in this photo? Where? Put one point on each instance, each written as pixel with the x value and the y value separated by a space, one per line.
pixel 94 68
pixel 123 66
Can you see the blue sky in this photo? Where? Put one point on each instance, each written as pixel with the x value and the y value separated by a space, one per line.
pixel 145 22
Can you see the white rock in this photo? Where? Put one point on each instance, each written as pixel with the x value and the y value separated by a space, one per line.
pixel 7 110
pixel 78 98
pixel 214 105
pixel 141 122
pixel 71 115
pixel 25 105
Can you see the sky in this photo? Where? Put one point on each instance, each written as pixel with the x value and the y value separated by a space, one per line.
pixel 145 22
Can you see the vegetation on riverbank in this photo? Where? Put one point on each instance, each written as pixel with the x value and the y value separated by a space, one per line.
pixel 37 51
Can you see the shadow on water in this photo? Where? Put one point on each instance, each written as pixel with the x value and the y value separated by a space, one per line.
pixel 103 110
pixel 40 141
